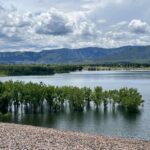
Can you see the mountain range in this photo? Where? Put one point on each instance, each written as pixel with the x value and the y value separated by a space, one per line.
pixel 134 54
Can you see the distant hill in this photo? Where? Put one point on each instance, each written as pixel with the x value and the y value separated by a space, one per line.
pixel 82 55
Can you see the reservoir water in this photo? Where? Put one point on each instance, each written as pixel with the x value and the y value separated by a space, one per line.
pixel 109 122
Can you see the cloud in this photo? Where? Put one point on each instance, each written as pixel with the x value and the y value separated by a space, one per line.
pixel 13 25
pixel 53 23
pixel 102 23
pixel 86 30
pixel 94 4
pixel 138 26
pixel 17 20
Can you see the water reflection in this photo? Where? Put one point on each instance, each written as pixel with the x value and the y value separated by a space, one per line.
pixel 91 120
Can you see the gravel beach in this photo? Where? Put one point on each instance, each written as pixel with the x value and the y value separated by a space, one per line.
pixel 23 137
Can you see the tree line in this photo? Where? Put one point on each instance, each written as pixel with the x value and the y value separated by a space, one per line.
pixel 46 69
pixel 29 69
pixel 121 64
pixel 33 96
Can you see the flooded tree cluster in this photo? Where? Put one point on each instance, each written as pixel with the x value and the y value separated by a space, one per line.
pixel 35 96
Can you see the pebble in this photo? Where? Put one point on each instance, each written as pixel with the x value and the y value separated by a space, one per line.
pixel 23 137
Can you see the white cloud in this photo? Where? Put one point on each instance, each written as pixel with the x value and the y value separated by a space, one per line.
pixel 86 30
pixel 53 22
pixel 138 26
pixel 93 4
pixel 102 23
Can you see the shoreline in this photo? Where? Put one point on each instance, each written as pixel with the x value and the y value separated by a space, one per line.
pixel 118 69
pixel 14 136
pixel 125 70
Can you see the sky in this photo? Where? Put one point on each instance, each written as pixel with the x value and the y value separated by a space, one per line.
pixel 35 25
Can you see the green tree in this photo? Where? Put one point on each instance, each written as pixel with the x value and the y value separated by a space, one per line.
pixel 34 95
pixel 105 96
pixel 130 99
pixel 51 98
pixel 114 97
pixel 87 93
pixel 97 96
pixel 5 98
pixel 76 99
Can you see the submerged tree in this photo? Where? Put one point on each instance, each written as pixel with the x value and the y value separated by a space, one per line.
pixel 33 95
pixel 76 99
pixel 87 93
pixel 5 98
pixel 97 96
pixel 105 98
pixel 130 99
pixel 114 97
pixel 54 98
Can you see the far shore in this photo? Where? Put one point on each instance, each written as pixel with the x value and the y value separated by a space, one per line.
pixel 116 69
pixel 13 136
pixel 99 69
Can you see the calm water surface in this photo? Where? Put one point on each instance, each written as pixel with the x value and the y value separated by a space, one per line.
pixel 111 123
